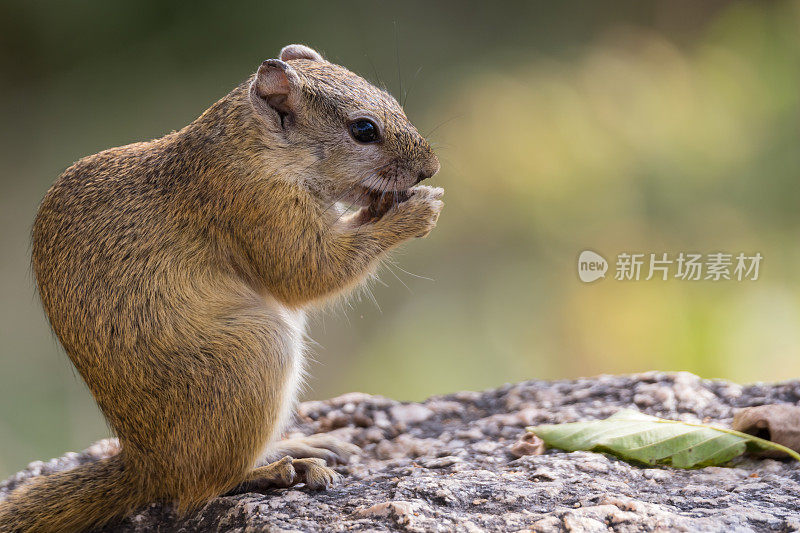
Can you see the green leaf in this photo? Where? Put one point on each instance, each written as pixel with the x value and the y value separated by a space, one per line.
pixel 647 439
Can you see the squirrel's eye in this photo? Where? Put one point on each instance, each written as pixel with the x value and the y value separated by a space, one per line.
pixel 364 131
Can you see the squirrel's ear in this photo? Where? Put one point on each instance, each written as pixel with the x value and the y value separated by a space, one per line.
pixel 299 51
pixel 276 85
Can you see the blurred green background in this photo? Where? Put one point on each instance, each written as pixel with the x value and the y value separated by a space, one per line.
pixel 660 126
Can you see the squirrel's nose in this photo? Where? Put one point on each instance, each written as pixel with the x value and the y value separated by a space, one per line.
pixel 429 171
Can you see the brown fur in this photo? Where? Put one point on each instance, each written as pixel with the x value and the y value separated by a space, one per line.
pixel 176 272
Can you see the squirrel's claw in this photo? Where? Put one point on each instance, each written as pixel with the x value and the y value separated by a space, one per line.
pixel 315 474
pixel 320 446
pixel 280 474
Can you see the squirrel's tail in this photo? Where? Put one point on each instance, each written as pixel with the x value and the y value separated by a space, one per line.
pixel 74 500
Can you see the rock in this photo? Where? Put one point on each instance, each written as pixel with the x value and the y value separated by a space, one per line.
pixel 410 413
pixel 450 464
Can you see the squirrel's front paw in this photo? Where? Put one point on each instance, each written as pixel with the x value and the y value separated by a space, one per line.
pixel 417 216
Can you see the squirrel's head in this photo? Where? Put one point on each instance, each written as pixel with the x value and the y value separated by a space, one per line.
pixel 346 139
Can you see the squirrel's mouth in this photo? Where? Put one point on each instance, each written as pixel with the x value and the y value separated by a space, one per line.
pixel 376 201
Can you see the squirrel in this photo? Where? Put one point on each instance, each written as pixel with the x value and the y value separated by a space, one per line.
pixel 177 274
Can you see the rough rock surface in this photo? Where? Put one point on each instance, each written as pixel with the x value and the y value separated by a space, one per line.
pixel 445 465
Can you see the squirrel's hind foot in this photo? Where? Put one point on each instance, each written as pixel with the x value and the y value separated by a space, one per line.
pixel 320 446
pixel 277 475
pixel 288 472
pixel 315 474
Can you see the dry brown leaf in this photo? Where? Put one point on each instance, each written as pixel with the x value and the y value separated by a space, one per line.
pixel 778 423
